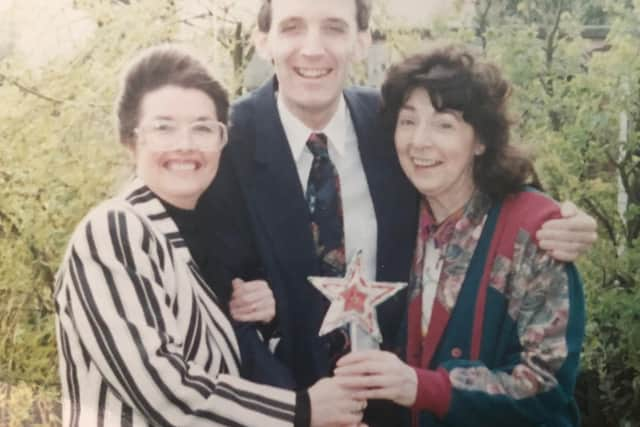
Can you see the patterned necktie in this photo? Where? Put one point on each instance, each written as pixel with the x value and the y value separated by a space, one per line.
pixel 325 206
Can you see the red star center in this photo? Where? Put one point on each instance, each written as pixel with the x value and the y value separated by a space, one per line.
pixel 353 299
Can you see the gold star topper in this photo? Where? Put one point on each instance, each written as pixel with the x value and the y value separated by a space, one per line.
pixel 354 299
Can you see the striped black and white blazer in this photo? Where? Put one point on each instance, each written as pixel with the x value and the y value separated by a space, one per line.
pixel 141 338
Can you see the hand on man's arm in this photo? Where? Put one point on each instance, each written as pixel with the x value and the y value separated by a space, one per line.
pixel 252 301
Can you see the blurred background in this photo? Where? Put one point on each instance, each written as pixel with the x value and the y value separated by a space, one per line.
pixel 575 69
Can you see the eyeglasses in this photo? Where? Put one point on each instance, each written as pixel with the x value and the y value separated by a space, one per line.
pixel 165 135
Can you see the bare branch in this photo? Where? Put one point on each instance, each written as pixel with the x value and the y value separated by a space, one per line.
pixel 47 98
pixel 36 253
pixel 249 53
pixel 545 85
pixel 224 43
pixel 43 268
pixel 551 38
pixel 624 178
pixel 30 91
pixel 483 23
pixel 188 21
pixel 13 228
pixel 601 215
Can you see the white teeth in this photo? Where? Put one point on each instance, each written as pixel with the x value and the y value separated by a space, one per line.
pixel 181 166
pixel 313 73
pixel 425 162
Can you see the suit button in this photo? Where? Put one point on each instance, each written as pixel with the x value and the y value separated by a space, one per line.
pixel 456 352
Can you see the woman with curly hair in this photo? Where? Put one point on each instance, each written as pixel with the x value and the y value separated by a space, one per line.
pixel 494 326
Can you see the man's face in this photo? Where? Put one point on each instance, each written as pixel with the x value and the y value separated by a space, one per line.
pixel 312 44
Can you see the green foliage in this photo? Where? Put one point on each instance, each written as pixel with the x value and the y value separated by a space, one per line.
pixel 59 157
pixel 58 160
pixel 569 99
pixel 25 405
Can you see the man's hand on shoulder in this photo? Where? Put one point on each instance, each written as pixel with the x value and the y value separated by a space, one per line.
pixel 568 237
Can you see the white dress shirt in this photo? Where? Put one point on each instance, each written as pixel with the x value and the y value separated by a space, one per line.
pixel 360 225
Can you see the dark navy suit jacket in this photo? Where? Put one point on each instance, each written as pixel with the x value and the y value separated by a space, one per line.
pixel 259 224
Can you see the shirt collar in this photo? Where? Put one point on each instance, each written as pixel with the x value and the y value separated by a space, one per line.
pixel 297 132
pixel 470 215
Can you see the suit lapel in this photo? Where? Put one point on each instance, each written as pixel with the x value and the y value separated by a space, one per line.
pixel 277 191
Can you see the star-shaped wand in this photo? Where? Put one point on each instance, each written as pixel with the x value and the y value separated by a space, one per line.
pixel 354 300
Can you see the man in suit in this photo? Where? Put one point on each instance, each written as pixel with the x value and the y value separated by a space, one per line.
pixel 261 209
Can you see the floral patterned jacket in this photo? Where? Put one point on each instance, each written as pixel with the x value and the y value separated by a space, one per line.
pixel 503 340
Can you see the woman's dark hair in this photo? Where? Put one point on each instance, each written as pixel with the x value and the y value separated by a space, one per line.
pixel 456 79
pixel 158 67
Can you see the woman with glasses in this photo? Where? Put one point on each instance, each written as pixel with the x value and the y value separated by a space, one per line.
pixel 142 340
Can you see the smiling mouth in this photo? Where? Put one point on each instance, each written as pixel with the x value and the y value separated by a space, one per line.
pixel 425 163
pixel 312 73
pixel 182 165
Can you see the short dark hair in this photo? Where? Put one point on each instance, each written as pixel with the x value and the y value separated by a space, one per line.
pixel 363 14
pixel 161 66
pixel 457 79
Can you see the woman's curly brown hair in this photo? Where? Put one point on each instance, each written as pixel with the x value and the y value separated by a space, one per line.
pixel 456 79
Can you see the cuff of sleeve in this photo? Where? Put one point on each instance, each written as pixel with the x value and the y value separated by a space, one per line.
pixel 270 330
pixel 434 391
pixel 302 417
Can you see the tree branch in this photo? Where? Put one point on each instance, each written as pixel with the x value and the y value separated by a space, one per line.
pixel 551 38
pixel 483 23
pixel 624 178
pixel 187 21
pixel 30 91
pixel 43 268
pixel 545 85
pixel 599 213
pixel 249 53
pixel 47 98
pixel 13 228
pixel 36 253
pixel 224 43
